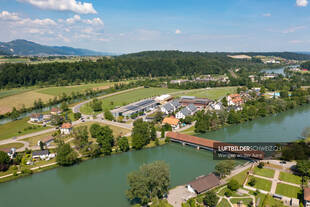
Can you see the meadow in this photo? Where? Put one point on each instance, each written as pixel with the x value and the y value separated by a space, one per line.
pixel 210 93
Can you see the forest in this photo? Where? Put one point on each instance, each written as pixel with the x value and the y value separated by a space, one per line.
pixel 145 64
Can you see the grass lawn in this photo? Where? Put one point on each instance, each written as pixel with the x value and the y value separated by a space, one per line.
pixel 117 131
pixel 12 145
pixel 33 141
pixel 13 128
pixel 267 200
pixel 261 184
pixel 223 203
pixel 212 93
pixel 240 177
pixel 127 98
pixel 288 177
pixel 288 190
pixel 269 173
pixel 245 201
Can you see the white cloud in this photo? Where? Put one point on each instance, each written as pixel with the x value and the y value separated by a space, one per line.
pixel 73 19
pixel 94 21
pixel 5 15
pixel 63 5
pixel 32 22
pixel 177 31
pixel 293 29
pixel 266 15
pixel 302 3
pixel 295 41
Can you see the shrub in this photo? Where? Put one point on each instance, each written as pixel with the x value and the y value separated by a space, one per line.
pixel 252 182
pixel 261 165
pixel 233 185
pixel 228 193
pixel 26 171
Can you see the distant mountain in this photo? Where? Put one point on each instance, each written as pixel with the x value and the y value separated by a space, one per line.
pixel 304 52
pixel 27 48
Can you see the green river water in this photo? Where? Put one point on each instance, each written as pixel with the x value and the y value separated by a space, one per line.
pixel 102 182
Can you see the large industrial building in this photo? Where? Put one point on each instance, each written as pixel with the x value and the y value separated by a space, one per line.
pixel 134 108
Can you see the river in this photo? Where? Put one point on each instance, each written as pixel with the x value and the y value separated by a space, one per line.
pixel 102 181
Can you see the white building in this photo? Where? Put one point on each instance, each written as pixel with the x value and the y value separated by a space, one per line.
pixel 36 117
pixel 187 111
pixel 66 128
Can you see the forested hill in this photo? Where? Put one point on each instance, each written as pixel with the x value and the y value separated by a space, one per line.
pixel 306 65
pixel 179 54
pixel 165 63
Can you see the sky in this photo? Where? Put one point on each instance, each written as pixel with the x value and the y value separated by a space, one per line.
pixel 125 26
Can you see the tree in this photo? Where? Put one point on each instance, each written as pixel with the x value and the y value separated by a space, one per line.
pixel 77 115
pixel 95 130
pixel 14 114
pixel 140 134
pixel 233 185
pixel 153 134
pixel 260 165
pixel 108 115
pixel 210 199
pixel 105 135
pixel 224 102
pixel 4 161
pixel 96 105
pixel 123 144
pixel 252 181
pixel 41 145
pixel 158 117
pixel 224 167
pixel 106 147
pixel 81 135
pixel 66 155
pixel 64 106
pixel 149 182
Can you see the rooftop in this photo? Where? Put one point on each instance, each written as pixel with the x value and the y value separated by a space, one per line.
pixel 66 126
pixel 307 194
pixel 171 120
pixel 204 183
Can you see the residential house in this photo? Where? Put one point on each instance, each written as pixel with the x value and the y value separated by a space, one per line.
pixel 306 197
pixel 170 107
pixel 43 155
pixel 66 128
pixel 203 183
pixel 217 106
pixel 187 111
pixel 56 111
pixel 47 140
pixel 234 100
pixel 173 122
pixel 36 117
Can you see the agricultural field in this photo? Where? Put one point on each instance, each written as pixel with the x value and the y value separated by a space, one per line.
pixel 211 93
pixel 127 98
pixel 18 128
pixel 16 145
pixel 288 190
pixel 288 177
pixel 26 96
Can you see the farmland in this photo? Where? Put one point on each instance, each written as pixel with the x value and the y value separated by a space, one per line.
pixel 20 97
pixel 211 93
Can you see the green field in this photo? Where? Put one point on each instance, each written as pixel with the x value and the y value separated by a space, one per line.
pixel 240 177
pixel 224 203
pixel 57 91
pixel 12 145
pixel 212 93
pixel 288 177
pixel 11 92
pixel 245 201
pixel 261 184
pixel 288 190
pixel 128 97
pixel 16 128
pixel 269 173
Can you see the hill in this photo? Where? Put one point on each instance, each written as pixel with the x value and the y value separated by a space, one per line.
pixel 28 48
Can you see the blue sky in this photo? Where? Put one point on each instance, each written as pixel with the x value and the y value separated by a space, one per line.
pixel 123 26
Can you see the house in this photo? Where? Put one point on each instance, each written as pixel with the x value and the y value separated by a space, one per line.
pixel 170 107
pixel 10 151
pixel 234 100
pixel 47 140
pixel 42 154
pixel 203 183
pixel 36 117
pixel 306 197
pixel 47 117
pixel 187 111
pixel 173 122
pixel 55 111
pixel 66 128
pixel 217 106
